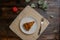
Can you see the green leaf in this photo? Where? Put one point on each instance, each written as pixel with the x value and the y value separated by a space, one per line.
pixel 45 5
pixel 40 2
pixel 33 5
pixel 27 0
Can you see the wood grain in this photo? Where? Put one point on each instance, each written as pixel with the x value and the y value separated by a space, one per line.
pixel 51 33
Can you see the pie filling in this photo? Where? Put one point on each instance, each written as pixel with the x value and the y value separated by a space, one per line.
pixel 28 25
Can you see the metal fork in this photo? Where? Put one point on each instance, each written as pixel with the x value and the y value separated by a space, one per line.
pixel 40 25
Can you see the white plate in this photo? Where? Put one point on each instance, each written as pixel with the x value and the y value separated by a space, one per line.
pixel 25 20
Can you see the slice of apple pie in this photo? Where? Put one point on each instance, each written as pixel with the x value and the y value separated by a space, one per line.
pixel 28 25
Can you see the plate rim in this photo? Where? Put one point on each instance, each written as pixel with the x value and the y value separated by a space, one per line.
pixel 21 20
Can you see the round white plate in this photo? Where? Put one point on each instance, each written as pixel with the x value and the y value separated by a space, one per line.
pixel 25 20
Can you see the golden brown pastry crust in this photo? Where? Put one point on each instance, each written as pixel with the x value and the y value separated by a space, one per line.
pixel 28 25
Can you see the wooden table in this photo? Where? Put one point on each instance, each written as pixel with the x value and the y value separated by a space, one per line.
pixel 51 33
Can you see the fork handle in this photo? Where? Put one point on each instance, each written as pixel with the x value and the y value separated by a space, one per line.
pixel 39 30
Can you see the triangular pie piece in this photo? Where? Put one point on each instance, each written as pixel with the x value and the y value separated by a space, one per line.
pixel 28 25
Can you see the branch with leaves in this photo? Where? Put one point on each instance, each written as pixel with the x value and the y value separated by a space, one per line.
pixel 40 4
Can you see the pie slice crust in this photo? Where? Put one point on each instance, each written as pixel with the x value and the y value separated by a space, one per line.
pixel 28 25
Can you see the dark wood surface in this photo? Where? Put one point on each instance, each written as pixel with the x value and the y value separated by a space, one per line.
pixel 7 17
